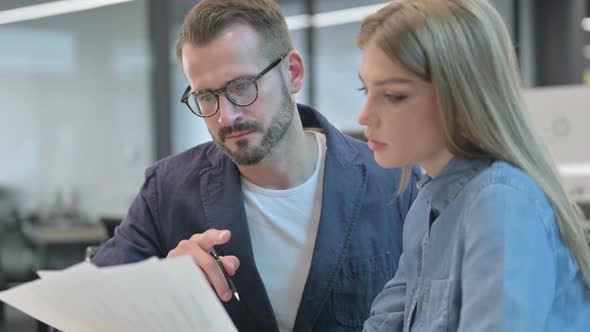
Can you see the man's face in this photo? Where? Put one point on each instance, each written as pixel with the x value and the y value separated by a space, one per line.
pixel 246 133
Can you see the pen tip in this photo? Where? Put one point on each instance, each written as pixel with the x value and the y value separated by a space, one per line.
pixel 237 296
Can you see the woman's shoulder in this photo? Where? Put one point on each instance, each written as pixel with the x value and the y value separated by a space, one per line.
pixel 509 183
pixel 504 176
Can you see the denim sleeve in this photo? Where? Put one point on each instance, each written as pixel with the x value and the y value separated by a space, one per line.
pixel 387 311
pixel 138 237
pixel 508 273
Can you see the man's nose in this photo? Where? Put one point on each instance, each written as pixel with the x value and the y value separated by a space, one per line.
pixel 229 113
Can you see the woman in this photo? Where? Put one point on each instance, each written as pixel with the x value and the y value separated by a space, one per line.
pixel 492 242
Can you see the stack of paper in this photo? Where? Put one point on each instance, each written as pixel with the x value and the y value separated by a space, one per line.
pixel 153 295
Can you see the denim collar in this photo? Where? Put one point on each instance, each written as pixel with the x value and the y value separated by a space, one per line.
pixel 440 191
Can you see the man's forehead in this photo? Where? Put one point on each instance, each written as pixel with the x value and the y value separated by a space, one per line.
pixel 239 34
pixel 231 44
pixel 211 71
pixel 204 59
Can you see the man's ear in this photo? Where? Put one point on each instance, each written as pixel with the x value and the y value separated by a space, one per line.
pixel 296 71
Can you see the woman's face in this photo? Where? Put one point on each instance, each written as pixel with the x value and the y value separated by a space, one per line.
pixel 400 114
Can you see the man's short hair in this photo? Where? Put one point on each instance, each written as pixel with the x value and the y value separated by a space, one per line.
pixel 208 19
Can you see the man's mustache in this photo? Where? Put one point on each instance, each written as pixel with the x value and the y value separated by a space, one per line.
pixel 242 126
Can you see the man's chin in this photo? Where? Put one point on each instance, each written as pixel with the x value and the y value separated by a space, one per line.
pixel 242 159
pixel 243 155
pixel 239 147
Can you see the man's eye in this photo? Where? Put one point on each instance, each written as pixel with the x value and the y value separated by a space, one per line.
pixel 207 98
pixel 242 86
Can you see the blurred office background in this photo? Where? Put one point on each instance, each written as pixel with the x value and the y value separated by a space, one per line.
pixel 89 97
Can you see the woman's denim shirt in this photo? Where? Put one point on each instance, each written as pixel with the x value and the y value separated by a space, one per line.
pixel 482 252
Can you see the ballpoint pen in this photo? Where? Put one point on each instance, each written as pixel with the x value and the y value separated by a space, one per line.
pixel 229 282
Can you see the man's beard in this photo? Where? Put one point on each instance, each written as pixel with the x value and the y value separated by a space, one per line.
pixel 248 154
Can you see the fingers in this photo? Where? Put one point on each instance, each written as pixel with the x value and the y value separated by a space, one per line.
pixel 199 247
pixel 230 263
pixel 213 273
pixel 210 238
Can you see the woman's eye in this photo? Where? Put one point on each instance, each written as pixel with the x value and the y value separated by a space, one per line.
pixel 363 90
pixel 396 98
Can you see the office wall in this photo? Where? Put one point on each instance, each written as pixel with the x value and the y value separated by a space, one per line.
pixel 75 108
pixel 559 41
pixel 561 116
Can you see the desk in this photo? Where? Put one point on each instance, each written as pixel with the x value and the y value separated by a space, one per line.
pixel 61 245
pixel 68 233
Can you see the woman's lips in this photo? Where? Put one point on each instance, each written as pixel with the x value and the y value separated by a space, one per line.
pixel 375 145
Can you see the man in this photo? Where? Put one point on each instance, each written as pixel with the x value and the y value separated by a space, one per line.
pixel 306 223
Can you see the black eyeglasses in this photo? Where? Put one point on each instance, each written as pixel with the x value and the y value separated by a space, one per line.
pixel 242 91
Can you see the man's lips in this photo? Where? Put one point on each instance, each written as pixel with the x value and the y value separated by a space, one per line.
pixel 239 134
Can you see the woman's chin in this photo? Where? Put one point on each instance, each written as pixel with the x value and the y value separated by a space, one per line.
pixel 387 161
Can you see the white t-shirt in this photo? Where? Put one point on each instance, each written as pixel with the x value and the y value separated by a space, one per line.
pixel 283 227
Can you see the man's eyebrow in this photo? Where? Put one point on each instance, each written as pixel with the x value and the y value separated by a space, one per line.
pixel 228 82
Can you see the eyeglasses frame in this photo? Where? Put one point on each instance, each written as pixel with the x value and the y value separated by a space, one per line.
pixel 216 93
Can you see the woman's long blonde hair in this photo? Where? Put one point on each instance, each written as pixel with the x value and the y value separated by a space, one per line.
pixel 464 49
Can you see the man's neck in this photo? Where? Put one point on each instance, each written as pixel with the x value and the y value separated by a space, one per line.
pixel 290 164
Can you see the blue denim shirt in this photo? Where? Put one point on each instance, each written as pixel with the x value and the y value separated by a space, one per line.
pixel 482 252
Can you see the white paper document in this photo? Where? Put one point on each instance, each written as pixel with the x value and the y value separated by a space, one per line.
pixel 153 295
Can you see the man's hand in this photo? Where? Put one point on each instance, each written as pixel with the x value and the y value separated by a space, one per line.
pixel 199 246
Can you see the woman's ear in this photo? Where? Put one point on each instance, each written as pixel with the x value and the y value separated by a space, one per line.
pixel 296 71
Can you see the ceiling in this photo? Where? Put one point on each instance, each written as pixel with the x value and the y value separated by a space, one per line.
pixel 10 4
